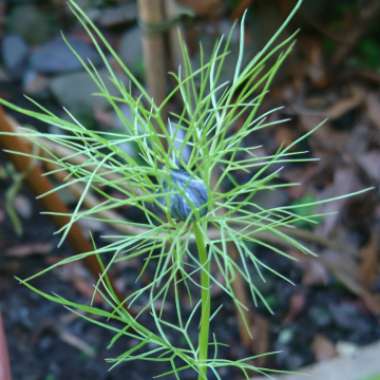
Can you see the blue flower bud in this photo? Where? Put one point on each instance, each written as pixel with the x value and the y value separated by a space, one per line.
pixel 187 194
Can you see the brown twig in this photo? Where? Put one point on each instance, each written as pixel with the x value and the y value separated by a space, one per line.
pixel 5 368
pixel 39 184
pixel 90 201
pixel 152 18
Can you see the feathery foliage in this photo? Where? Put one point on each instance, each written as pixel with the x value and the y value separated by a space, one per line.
pixel 183 253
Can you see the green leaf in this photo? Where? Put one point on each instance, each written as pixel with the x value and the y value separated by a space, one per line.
pixel 306 206
pixel 373 377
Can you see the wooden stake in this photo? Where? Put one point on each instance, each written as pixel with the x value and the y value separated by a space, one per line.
pixel 152 19
pixel 39 184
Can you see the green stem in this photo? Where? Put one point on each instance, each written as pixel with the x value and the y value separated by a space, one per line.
pixel 205 302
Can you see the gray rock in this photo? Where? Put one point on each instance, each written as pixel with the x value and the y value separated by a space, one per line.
pixel 116 15
pixel 76 91
pixel 365 364
pixel 130 50
pixel 15 54
pixel 56 57
pixel 31 23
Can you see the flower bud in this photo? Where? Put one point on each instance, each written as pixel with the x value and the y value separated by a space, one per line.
pixel 187 194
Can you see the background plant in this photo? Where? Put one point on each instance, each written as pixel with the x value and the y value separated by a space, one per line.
pixel 184 254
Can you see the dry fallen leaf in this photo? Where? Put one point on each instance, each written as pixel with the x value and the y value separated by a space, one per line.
pixel 76 342
pixel 297 303
pixel 344 105
pixel 360 366
pixel 346 270
pixel 345 181
pixel 24 250
pixel 81 281
pixel 314 273
pixel 370 163
pixel 285 135
pixel 323 348
pixel 316 69
pixel 373 108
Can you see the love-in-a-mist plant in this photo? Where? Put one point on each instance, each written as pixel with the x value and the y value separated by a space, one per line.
pixel 194 225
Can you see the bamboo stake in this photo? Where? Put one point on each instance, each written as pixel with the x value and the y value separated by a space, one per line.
pixel 152 18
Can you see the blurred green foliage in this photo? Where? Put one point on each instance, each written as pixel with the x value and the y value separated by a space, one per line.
pixel 374 377
pixel 309 209
pixel 369 53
